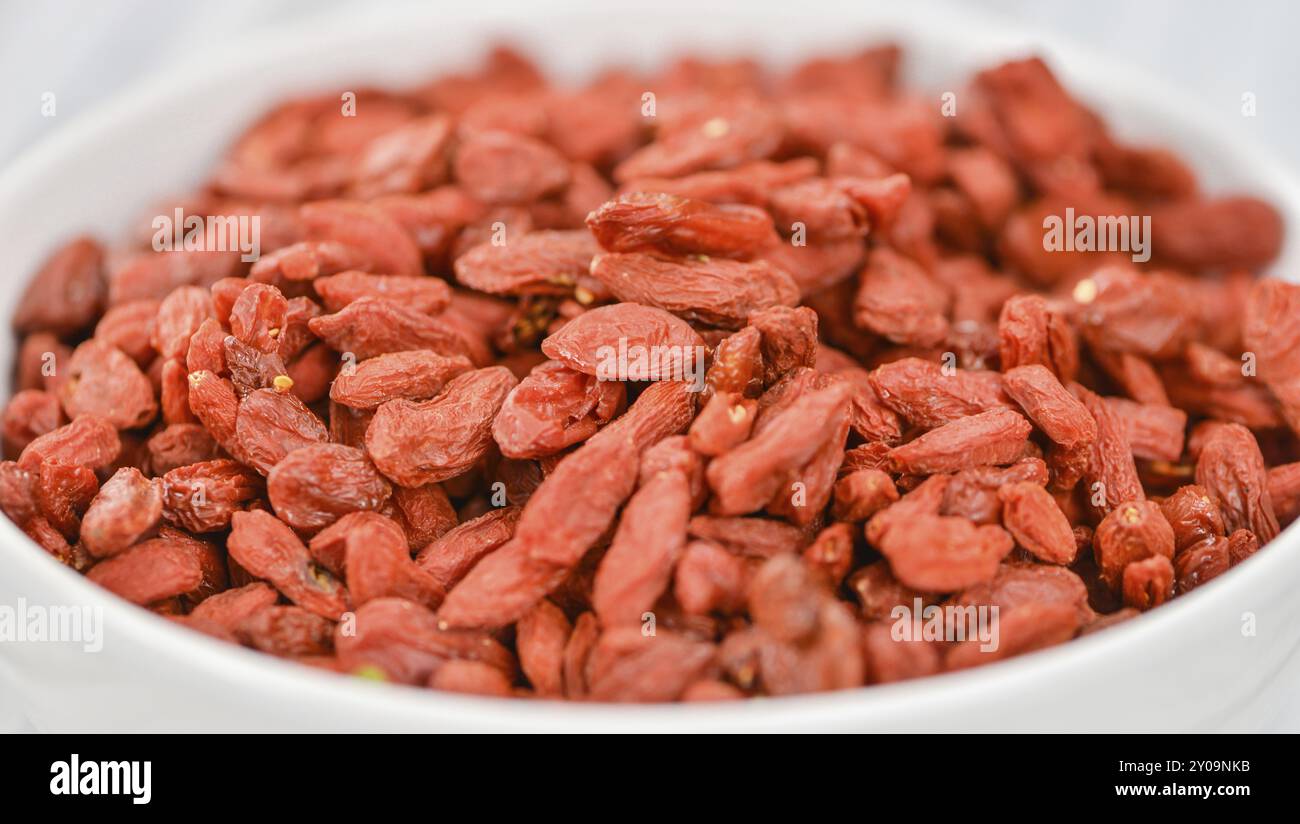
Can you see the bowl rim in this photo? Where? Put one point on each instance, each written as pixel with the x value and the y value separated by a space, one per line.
pixel 1086 71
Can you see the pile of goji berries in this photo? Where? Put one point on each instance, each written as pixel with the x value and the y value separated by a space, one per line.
pixel 391 446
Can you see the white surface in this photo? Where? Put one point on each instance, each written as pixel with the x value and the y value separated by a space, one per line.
pixel 1185 665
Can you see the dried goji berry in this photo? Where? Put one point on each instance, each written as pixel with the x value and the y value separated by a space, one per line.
pixel 313 485
pixel 710 290
pixel 202 497
pixel 103 381
pixel 645 221
pixel 419 443
pixel 268 549
pixel 127 507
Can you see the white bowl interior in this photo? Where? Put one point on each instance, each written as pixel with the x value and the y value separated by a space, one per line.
pixel 109 166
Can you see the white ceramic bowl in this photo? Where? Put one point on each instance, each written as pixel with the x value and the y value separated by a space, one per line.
pixel 1187 665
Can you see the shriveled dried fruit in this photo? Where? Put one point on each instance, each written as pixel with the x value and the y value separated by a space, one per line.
pixel 1193 516
pixel 737 364
pixel 214 402
pixel 1227 232
pixel 408 158
pixel 29 414
pixel 229 609
pixel 1271 332
pixel 1051 408
pixel 537 263
pixel 723 424
pixel 825 209
pixel 878 592
pixel 404 643
pixel 419 443
pixel 897 300
pixel 418 375
pixel 1032 517
pixel 789 340
pixel 127 508
pixel 1019 584
pixel 1148 583
pixel 179 316
pixel 862 493
pixel 1034 626
pixel 40 358
pixel 995 437
pixel 1155 431
pixel 749 476
pixel 272 424
pixel 287 631
pixel 308 260
pixel 710 579
pixel 472 677
pixel 554 408
pixel 783 600
pixel 645 414
pixel 542 635
pixel 500 167
pixel 1231 469
pixel 377 565
pixel 1110 471
pixel 63 492
pixel 638 566
pixel 626 665
pixel 1200 564
pixel 202 497
pixel 927 498
pixel 425 513
pixel 87 441
pixel 889 660
pixel 258 317
pixel 366 227
pixel 423 294
pixel 755 537
pixel 974 493
pixel 710 290
pixel 935 553
pixel 749 182
pixel 1242 544
pixel 923 394
pixel 1134 531
pixel 656 222
pixel 371 326
pixel 453 554
pixel 103 381
pixel 170 565
pixel 268 549
pixel 153 275
pixel 313 485
pixel 628 341
pixel 1032 332
pixel 727 134
pixel 66 294
pixel 252 369
pixel 551 536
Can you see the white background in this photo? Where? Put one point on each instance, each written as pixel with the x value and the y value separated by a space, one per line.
pixel 85 50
